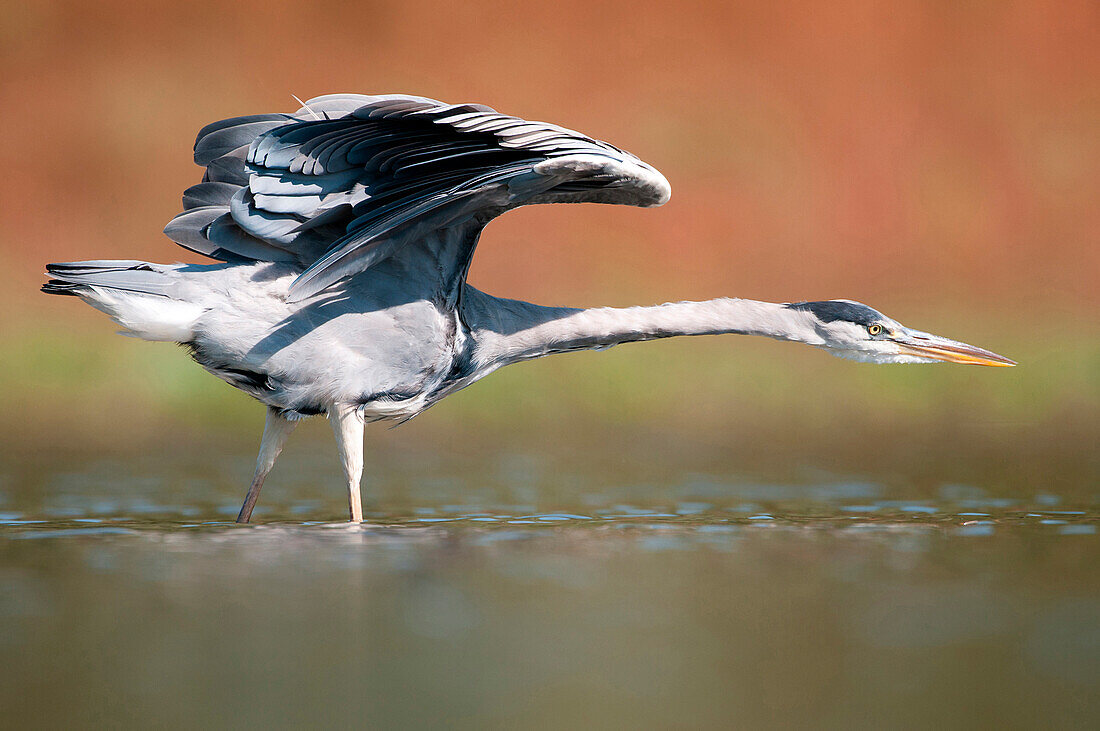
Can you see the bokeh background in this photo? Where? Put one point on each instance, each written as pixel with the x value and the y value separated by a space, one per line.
pixel 937 160
pixel 925 553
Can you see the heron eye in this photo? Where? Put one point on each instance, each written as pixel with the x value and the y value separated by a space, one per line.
pixel 874 329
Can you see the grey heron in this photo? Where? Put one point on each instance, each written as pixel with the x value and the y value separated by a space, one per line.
pixel 344 233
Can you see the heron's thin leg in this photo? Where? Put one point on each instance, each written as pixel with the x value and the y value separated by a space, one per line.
pixel 276 429
pixel 348 427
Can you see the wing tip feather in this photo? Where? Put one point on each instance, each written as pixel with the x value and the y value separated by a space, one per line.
pixel 265 142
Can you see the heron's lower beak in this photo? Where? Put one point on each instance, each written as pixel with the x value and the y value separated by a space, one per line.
pixel 924 345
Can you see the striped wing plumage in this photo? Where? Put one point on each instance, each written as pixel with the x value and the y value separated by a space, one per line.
pixel 349 179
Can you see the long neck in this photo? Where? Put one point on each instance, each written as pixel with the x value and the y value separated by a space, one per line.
pixel 507 331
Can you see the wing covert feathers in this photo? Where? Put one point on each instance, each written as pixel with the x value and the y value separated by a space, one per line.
pixel 349 179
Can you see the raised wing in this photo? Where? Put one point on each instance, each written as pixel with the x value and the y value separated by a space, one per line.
pixel 348 180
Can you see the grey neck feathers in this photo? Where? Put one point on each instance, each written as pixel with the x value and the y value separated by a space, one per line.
pixel 507 331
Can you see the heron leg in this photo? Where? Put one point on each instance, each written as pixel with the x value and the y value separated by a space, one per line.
pixel 276 429
pixel 348 427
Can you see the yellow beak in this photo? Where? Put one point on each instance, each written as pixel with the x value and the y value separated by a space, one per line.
pixel 949 351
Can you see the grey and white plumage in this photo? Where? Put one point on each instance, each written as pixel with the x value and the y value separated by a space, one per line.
pixel 345 231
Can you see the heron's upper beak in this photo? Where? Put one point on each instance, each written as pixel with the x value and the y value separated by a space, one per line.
pixel 925 345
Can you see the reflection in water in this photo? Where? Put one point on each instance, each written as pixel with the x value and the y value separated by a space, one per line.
pixel 489 617
pixel 547 601
pixel 1077 522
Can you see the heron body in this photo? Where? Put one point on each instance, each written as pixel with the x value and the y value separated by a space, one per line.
pixel 345 232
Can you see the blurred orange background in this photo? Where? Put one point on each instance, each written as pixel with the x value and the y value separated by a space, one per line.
pixel 891 152
pixel 939 161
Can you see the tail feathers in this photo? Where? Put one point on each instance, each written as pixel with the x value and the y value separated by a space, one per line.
pixel 130 276
pixel 57 286
pixel 135 294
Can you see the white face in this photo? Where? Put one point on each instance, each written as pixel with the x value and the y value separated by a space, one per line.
pixel 876 338
pixel 878 351
pixel 856 342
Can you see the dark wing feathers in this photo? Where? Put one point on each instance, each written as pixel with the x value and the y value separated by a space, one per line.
pixel 349 179
pixel 228 168
pixel 212 144
pixel 208 194
pixel 188 229
pixel 211 231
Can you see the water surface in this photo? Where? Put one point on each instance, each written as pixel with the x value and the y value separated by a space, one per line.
pixel 530 588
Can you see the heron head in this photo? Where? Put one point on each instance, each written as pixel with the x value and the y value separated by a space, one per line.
pixel 852 330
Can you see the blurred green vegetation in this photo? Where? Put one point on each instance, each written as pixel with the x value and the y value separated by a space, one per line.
pixel 63 377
